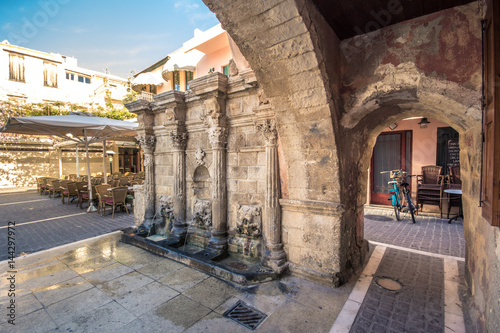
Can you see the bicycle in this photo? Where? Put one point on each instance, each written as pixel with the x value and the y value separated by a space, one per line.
pixel 400 193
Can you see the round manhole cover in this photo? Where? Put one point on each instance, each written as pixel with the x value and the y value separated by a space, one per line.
pixel 378 217
pixel 237 265
pixel 388 283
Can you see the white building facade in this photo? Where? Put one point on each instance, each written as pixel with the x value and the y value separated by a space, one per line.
pixel 30 76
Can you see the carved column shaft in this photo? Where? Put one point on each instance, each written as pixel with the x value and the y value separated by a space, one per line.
pixel 275 257
pixel 218 240
pixel 148 145
pixel 273 212
pixel 179 164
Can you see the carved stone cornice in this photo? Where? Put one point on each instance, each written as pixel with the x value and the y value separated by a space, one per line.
pixel 209 83
pixel 268 128
pixel 140 105
pixel 169 97
pixel 147 143
pixel 214 112
pixel 175 116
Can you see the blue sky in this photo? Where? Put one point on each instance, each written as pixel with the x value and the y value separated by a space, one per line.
pixel 122 35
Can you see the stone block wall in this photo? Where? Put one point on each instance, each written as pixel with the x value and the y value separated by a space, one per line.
pixel 22 161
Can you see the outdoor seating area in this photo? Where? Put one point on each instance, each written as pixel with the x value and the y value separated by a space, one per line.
pixel 436 188
pixel 117 193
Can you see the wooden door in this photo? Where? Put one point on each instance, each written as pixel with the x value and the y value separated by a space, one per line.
pixel 392 151
pixel 491 125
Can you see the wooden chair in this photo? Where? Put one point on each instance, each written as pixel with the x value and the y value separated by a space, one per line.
pixel 83 192
pixel 430 187
pixel 71 191
pixel 118 199
pixel 102 194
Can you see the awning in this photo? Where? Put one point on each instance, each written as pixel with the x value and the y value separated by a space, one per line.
pixel 182 61
pixel 148 78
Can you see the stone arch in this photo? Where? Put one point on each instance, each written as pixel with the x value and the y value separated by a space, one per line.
pixel 442 100
pixel 284 55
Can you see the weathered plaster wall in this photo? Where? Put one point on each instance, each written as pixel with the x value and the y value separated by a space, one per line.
pixel 482 242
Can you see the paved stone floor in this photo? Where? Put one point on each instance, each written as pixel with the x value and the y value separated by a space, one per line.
pixel 429 234
pixel 109 286
pixel 104 285
pixel 418 273
pixel 43 223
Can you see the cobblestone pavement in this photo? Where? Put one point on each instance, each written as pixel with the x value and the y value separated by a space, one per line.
pixel 421 303
pixel 417 307
pixel 429 234
pixel 43 223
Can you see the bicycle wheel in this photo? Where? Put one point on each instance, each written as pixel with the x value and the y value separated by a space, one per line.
pixel 396 208
pixel 411 207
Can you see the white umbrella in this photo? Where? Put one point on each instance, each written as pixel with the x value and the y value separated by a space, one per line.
pixel 80 127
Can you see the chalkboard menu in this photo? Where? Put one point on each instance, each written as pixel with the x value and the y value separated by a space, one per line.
pixel 453 158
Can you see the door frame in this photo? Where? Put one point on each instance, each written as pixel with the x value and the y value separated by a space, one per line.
pixel 382 198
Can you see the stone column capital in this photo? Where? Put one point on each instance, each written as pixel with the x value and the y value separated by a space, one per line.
pixel 268 128
pixel 147 143
pixel 179 138
pixel 217 137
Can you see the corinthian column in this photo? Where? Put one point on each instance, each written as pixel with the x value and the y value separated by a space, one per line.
pixel 218 239
pixel 274 256
pixel 147 143
pixel 179 229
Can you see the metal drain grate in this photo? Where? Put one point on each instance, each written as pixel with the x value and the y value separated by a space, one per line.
pixel 245 315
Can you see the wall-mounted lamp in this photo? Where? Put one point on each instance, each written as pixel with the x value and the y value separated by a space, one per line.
pixel 423 123
pixel 393 126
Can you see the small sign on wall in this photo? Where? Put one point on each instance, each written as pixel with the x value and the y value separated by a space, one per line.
pixel 453 158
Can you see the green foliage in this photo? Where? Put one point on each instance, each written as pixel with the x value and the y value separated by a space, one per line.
pixel 16 109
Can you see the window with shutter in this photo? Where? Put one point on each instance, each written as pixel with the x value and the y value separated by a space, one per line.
pixel 491 125
pixel 16 67
pixel 49 74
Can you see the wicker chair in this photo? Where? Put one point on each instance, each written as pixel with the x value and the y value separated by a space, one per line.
pixel 124 181
pixel 71 191
pixel 55 188
pixel 83 192
pixel 430 186
pixel 455 175
pixel 47 184
pixel 40 184
pixel 102 195
pixel 118 198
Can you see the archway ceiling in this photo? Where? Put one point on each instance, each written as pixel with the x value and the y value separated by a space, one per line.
pixel 356 17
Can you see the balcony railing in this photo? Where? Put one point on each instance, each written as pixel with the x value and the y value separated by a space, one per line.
pixel 147 96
